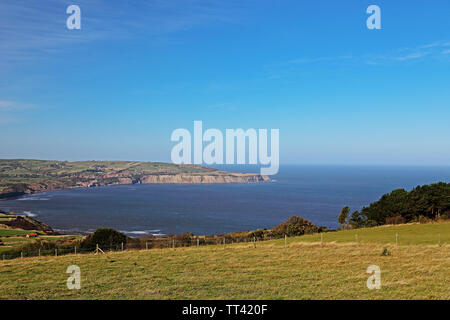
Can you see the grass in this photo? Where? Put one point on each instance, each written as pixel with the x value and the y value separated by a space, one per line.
pixel 408 234
pixel 14 232
pixel 303 270
pixel 19 176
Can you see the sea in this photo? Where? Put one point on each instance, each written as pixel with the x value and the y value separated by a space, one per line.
pixel 314 192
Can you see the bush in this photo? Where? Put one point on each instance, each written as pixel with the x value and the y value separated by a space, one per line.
pixel 105 237
pixel 370 223
pixel 385 252
pixel 295 226
pixel 395 220
pixel 423 219
pixel 259 234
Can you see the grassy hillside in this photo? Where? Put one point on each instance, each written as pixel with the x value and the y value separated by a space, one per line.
pixel 305 269
pixel 19 177
pixel 44 171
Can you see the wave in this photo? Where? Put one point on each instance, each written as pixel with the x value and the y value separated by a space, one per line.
pixel 29 214
pixel 156 233
pixel 33 199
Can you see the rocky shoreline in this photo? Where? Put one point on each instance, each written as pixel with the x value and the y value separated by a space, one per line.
pixel 21 177
pixel 121 179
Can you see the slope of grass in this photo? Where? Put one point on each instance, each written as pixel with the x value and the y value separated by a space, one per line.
pixel 408 234
pixel 270 271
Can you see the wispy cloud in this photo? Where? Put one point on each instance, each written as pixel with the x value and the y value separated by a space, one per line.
pixel 13 105
pixel 296 66
pixel 31 29
pixel 430 50
pixel 10 111
pixel 223 106
pixel 319 59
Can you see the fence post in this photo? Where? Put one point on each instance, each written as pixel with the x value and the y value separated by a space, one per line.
pixel 75 249
pixel 173 243
pixel 396 239
pixel 321 239
pixel 122 246
pixel 21 254
pixel 39 252
pixel 56 252
pixel 96 248
pixel 146 245
pixel 254 242
pixel 198 242
pixel 285 240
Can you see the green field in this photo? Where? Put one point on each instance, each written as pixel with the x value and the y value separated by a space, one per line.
pixel 65 172
pixel 408 234
pixel 305 269
pixel 14 232
pixel 18 177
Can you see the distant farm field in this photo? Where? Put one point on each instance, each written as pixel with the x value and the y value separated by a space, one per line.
pixel 305 269
pixel 14 232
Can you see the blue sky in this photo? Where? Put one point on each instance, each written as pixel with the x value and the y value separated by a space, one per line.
pixel 137 70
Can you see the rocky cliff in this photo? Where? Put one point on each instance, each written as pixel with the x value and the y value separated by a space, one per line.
pixel 19 177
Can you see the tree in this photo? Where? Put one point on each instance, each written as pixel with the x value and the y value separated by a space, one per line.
pixel 357 219
pixel 343 216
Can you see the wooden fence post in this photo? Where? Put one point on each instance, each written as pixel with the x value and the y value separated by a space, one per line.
pixel 198 242
pixel 122 246
pixel 321 239
pixel 173 243
pixel 285 240
pixel 396 239
pixel 146 245
pixel 56 252
pixel 21 254
pixel 254 242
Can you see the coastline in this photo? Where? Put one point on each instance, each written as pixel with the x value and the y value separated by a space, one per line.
pixel 222 178
pixel 22 177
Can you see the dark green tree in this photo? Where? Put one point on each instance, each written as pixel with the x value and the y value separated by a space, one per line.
pixel 357 219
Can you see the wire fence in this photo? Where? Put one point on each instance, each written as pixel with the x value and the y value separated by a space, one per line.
pixel 37 250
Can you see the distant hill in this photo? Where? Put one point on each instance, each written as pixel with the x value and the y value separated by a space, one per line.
pixel 18 177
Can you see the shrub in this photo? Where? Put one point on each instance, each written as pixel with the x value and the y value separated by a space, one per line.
pixel 370 223
pixel 423 219
pixel 385 252
pixel 395 220
pixel 105 237
pixel 295 226
pixel 256 234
